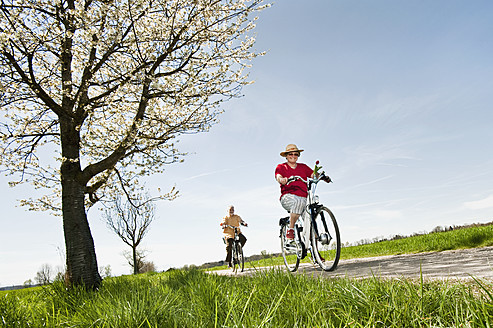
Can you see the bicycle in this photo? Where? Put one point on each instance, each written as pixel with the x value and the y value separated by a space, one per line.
pixel 237 259
pixel 318 233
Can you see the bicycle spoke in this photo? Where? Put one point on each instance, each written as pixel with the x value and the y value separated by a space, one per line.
pixel 326 241
pixel 234 257
pixel 289 251
pixel 241 259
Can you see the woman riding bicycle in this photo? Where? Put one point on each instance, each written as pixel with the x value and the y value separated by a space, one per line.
pixel 319 233
pixel 229 234
pixel 293 195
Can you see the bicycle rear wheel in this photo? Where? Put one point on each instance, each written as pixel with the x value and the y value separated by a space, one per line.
pixel 289 251
pixel 326 240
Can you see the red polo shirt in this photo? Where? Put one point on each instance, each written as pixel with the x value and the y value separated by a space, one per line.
pixel 297 187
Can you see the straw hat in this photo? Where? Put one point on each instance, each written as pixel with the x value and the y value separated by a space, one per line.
pixel 290 148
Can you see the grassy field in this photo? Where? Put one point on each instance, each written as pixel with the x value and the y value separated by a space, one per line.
pixel 193 298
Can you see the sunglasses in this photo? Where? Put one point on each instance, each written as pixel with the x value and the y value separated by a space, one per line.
pixel 294 154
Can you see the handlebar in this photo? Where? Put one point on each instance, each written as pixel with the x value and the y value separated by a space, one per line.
pixel 230 226
pixel 321 177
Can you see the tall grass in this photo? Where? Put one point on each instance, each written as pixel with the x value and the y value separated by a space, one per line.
pixel 274 298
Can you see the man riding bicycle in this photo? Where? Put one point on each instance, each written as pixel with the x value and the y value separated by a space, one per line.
pixel 229 234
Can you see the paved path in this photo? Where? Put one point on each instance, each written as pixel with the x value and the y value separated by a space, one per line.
pixel 456 264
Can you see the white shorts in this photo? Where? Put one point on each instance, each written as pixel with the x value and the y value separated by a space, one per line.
pixel 293 204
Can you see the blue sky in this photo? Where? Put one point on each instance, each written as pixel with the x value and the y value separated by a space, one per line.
pixel 393 97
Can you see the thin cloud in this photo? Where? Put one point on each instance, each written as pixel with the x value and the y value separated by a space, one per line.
pixel 205 174
pixel 480 204
pixel 370 182
pixel 364 205
pixel 221 171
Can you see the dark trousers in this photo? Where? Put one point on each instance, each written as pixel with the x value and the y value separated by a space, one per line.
pixel 229 246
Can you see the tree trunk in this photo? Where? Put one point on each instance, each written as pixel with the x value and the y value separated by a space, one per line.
pixel 136 263
pixel 82 267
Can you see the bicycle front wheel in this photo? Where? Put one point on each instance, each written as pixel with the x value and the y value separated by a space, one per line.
pixel 326 240
pixel 289 251
pixel 234 257
pixel 240 258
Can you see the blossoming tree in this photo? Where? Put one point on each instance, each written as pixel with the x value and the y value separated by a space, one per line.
pixel 106 87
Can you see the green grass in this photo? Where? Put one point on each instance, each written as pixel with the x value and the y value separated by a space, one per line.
pixel 472 237
pixel 193 298
pixel 274 298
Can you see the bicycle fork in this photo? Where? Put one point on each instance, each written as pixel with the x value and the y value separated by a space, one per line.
pixel 309 227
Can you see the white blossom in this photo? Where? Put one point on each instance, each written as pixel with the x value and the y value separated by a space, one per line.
pixel 138 75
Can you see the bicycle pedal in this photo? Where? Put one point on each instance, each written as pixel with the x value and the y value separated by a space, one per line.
pixel 290 248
